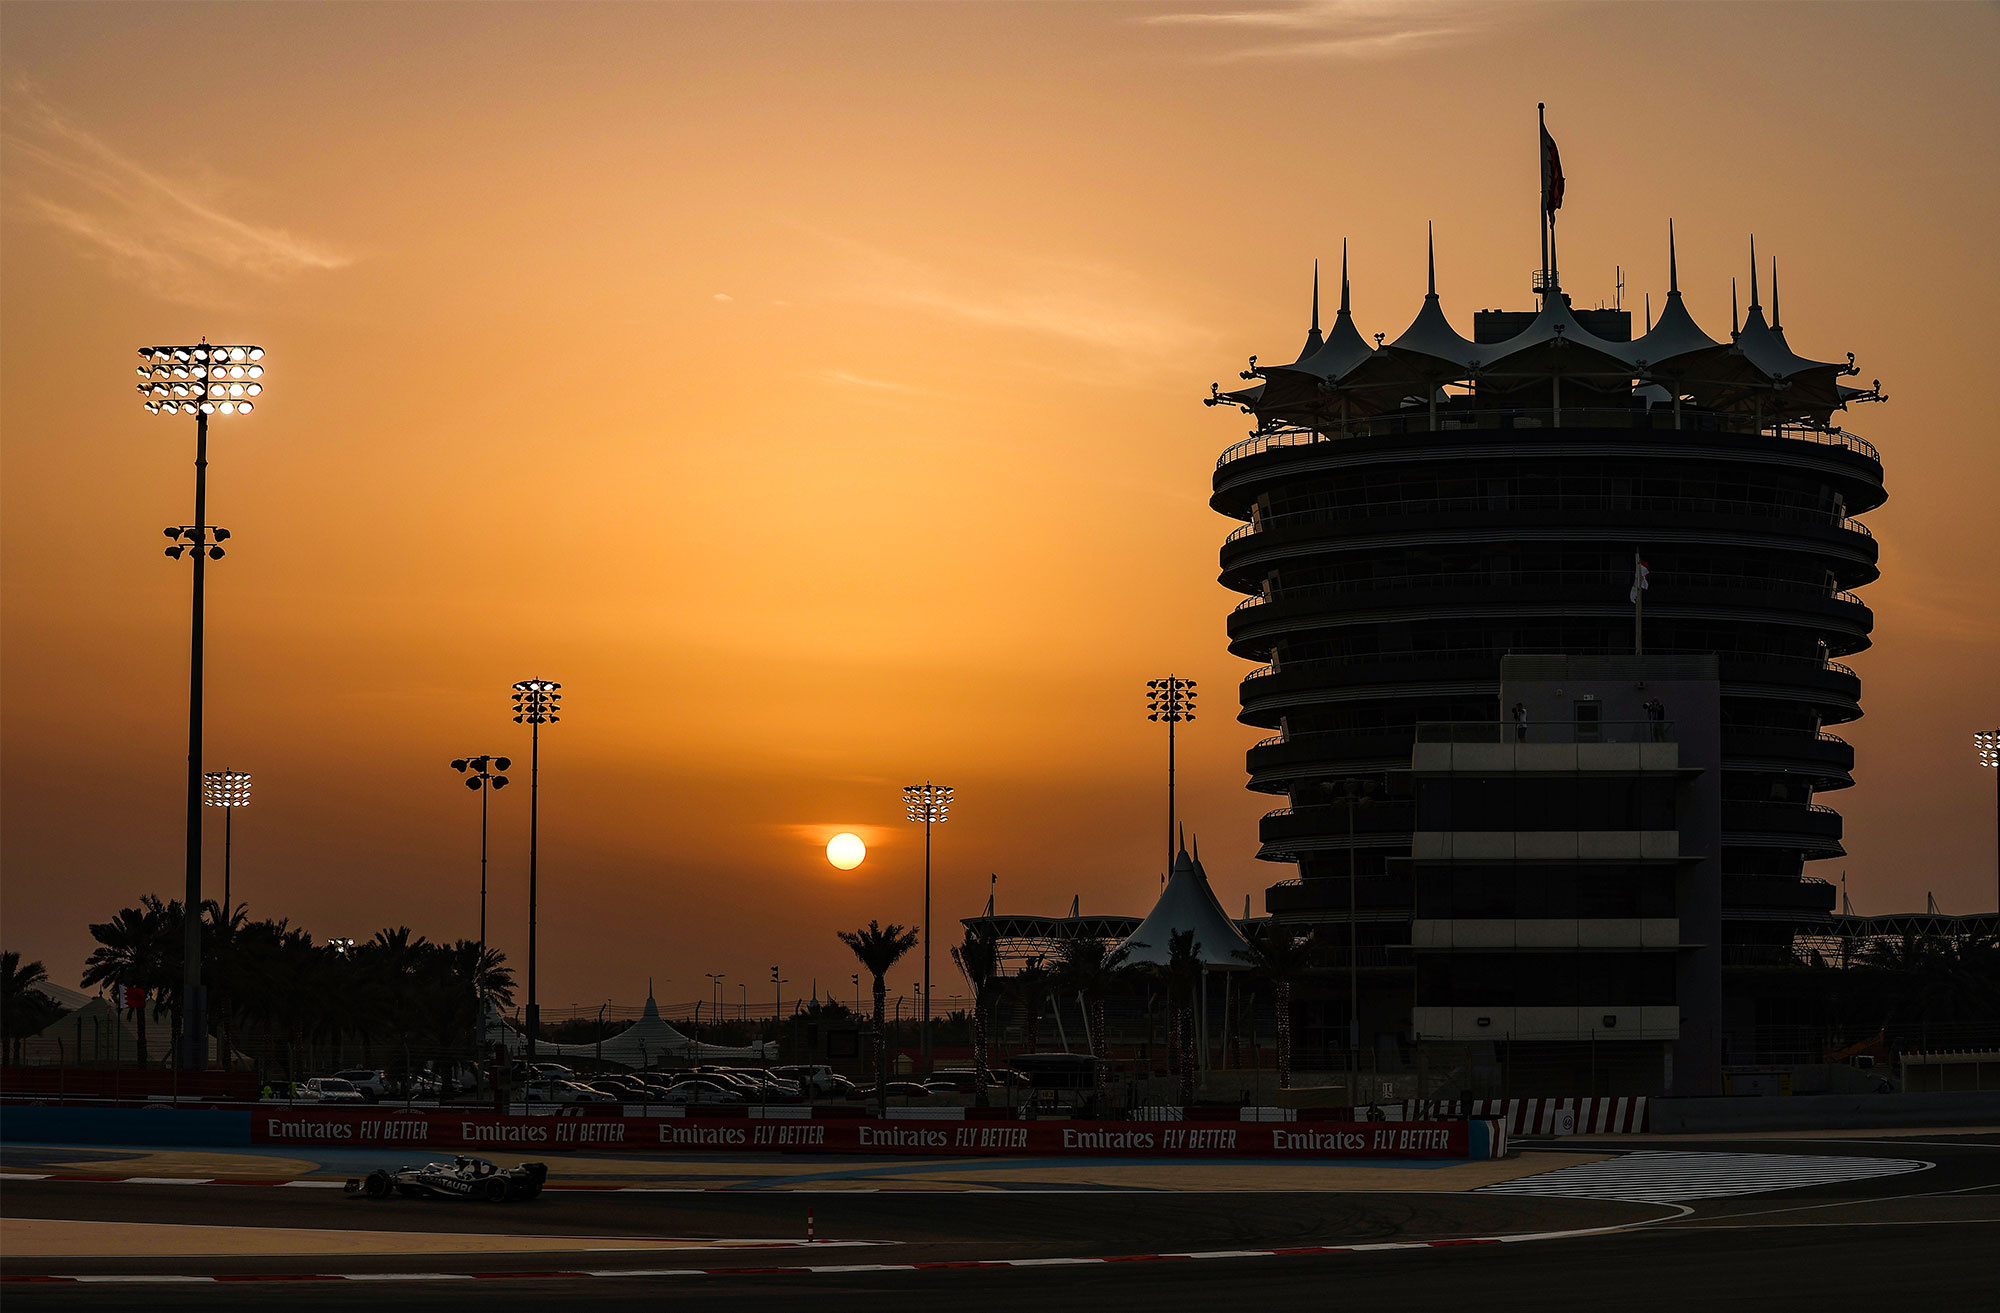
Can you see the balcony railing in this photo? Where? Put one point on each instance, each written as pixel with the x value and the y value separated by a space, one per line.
pixel 1615 581
pixel 1451 420
pixel 1511 731
pixel 1365 660
pixel 1563 503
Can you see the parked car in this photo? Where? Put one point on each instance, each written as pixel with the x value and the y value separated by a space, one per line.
pixel 328 1089
pixel 898 1089
pixel 563 1091
pixel 812 1078
pixel 702 1090
pixel 372 1084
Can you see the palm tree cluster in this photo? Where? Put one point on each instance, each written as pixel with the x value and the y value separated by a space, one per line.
pixel 24 1010
pixel 276 993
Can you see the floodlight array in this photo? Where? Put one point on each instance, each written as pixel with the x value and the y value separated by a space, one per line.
pixel 484 771
pixel 226 788
pixel 190 541
pixel 201 379
pixel 1170 699
pixel 1988 743
pixel 536 702
pixel 928 802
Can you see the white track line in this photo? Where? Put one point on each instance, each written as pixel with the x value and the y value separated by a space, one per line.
pixel 852 1268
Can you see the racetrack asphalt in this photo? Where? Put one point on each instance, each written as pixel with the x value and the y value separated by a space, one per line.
pixel 1926 1225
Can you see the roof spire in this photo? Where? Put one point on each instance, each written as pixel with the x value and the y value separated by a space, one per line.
pixel 1734 326
pixel 1649 312
pixel 1430 241
pixel 1343 275
pixel 1183 840
pixel 1315 323
pixel 1753 271
pixel 1775 325
pixel 1673 263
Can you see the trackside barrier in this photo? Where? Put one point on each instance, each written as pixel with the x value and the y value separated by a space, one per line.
pixel 1443 1140
pixel 1602 1116
pixel 424 1129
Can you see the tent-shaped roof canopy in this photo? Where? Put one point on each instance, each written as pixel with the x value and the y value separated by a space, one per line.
pixel 1342 378
pixel 1187 903
pixel 641 1044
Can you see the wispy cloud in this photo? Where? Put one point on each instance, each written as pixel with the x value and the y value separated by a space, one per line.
pixel 1109 309
pixel 846 379
pixel 1338 29
pixel 724 296
pixel 168 233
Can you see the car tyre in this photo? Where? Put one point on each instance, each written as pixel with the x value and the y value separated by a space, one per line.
pixel 493 1191
pixel 378 1185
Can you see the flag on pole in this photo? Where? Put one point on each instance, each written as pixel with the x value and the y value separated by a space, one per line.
pixel 1552 176
pixel 1640 571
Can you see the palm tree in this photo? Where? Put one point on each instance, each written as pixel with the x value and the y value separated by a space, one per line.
pixel 978 959
pixel 1281 959
pixel 130 954
pixel 1087 967
pixel 1183 980
pixel 879 948
pixel 1031 982
pixel 17 1007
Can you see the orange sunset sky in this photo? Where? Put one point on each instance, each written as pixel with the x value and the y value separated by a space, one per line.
pixel 814 391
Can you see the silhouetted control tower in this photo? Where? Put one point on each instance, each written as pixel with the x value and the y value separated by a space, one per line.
pixel 1416 510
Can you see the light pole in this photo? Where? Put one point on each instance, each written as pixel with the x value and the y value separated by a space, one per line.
pixel 857 995
pixel 1988 743
pixel 199 380
pixel 1353 794
pixel 931 804
pixel 227 789
pixel 536 702
pixel 715 979
pixel 482 773
pixel 778 984
pixel 1172 700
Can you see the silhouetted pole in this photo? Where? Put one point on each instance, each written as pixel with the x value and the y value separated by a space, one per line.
pixel 535 704
pixel 1172 700
pixel 927 803
pixel 228 790
pixel 484 776
pixel 197 380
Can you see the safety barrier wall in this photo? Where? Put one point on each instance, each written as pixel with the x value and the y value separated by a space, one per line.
pixel 155 1127
pixel 393 1128
pixel 901 1136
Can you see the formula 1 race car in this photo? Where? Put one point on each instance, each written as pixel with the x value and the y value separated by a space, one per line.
pixel 461 1178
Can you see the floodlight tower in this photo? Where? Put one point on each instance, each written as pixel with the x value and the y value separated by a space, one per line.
pixel 227 789
pixel 483 774
pixel 199 380
pixel 931 804
pixel 1987 741
pixel 1172 700
pixel 535 704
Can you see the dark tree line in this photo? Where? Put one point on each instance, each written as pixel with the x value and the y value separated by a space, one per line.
pixel 301 1005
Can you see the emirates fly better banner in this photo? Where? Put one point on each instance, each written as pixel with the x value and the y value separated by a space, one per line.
pixel 489 1131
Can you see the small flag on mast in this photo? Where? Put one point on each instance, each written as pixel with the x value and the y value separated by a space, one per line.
pixel 1552 176
pixel 1640 571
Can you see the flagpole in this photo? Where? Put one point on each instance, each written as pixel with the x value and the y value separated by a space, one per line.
pixel 1542 154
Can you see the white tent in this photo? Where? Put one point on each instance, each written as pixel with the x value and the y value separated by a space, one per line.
pixel 1187 903
pixel 642 1044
